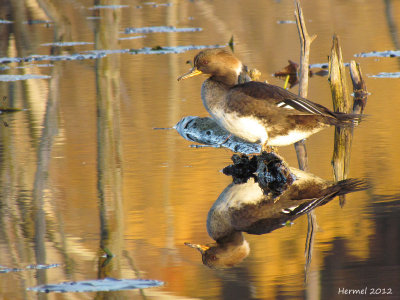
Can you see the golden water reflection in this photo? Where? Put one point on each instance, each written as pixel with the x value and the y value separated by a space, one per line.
pixel 82 168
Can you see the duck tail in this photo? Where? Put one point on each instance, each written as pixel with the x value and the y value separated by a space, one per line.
pixel 350 185
pixel 345 120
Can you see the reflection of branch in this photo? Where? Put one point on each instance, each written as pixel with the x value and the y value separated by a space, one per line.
pixel 109 152
pixel 312 226
pixel 392 24
pixel 62 25
pixel 50 130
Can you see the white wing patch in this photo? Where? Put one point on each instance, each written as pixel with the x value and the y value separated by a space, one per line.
pixel 284 105
pixel 300 105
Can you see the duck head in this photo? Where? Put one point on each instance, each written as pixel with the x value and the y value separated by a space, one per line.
pixel 225 253
pixel 221 65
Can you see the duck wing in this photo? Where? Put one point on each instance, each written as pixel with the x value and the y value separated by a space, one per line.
pixel 275 96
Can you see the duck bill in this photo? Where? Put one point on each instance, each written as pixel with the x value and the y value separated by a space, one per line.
pixel 191 73
pixel 201 248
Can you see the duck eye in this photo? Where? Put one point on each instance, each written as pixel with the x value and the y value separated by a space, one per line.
pixel 205 62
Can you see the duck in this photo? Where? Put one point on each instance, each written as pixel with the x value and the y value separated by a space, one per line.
pixel 258 112
pixel 251 206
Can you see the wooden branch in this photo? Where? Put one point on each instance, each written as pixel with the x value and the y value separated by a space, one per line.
pixel 341 103
pixel 300 146
pixel 337 79
pixel 359 88
pixel 305 43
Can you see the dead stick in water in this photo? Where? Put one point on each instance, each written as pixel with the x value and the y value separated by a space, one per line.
pixel 301 151
pixel 305 43
pixel 341 103
pixel 359 88
pixel 337 79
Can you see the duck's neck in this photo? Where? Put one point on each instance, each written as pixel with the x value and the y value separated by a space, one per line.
pixel 213 94
pixel 229 79
pixel 235 238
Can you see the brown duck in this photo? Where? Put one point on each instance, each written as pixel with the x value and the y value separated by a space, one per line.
pixel 254 207
pixel 258 112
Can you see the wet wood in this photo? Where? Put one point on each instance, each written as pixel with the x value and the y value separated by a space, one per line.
pixel 300 146
pixel 343 136
pixel 337 79
pixel 305 43
pixel 341 103
pixel 359 88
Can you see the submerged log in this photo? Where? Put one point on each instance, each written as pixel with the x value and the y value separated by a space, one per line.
pixel 206 131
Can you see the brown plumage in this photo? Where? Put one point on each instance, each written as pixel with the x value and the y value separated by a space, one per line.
pixel 255 111
pixel 253 207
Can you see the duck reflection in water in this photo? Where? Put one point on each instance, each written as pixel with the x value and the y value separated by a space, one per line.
pixel 271 197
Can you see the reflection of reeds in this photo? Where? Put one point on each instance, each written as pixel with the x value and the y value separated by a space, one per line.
pixel 28 221
pixel 49 132
pixel 392 27
pixel 109 157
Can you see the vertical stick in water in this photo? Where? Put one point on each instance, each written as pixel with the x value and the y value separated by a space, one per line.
pixel 305 43
pixel 341 103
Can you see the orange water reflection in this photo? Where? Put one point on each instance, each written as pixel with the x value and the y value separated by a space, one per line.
pixel 86 144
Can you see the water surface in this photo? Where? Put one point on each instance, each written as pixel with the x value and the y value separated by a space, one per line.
pixel 83 169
